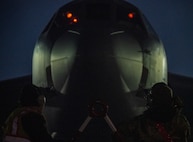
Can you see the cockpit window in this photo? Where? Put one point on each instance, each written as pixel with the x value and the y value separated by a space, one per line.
pixel 112 14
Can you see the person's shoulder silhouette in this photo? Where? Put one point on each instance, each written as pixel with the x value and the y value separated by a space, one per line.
pixel 163 121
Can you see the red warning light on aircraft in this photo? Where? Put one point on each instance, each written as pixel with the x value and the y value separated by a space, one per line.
pixel 75 20
pixel 69 15
pixel 71 18
pixel 131 15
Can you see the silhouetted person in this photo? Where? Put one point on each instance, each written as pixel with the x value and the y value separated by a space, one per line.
pixel 27 123
pixel 161 122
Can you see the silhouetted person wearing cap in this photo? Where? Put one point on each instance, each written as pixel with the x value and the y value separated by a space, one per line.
pixel 27 123
pixel 161 122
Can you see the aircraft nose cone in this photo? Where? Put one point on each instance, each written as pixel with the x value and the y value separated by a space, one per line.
pixel 93 64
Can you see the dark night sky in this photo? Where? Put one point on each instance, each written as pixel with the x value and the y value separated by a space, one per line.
pixel 23 20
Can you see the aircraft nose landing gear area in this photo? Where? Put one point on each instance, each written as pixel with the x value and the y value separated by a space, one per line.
pixel 97 109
